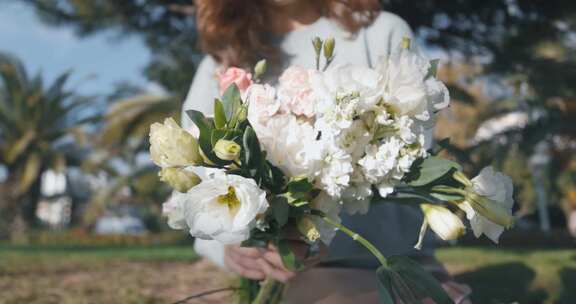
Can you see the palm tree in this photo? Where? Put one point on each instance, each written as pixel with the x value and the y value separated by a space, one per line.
pixel 38 124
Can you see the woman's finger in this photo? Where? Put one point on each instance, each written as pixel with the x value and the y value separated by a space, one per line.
pixel 275 273
pixel 247 251
pixel 244 260
pixel 234 266
pixel 274 258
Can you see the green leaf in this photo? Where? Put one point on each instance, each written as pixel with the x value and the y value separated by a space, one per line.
pixel 231 101
pixel 280 210
pixel 300 185
pixel 288 258
pixel 219 115
pixel 432 169
pixel 408 194
pixel 384 286
pixel 205 127
pixel 30 173
pixel 252 153
pixel 420 282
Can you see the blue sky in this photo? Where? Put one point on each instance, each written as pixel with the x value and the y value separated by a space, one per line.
pixel 97 61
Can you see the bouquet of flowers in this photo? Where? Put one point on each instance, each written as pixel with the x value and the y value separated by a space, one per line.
pixel 324 141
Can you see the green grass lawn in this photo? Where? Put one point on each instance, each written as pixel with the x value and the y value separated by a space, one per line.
pixel 113 274
pixel 500 275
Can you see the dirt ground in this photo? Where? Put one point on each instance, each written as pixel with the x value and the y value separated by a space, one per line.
pixel 116 282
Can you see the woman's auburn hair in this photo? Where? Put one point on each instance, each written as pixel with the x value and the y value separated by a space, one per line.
pixel 236 32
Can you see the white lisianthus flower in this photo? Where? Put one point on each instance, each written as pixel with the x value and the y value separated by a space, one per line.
pixel 223 208
pixel 331 208
pixel 172 146
pixel 499 189
pixel 410 88
pixel 173 211
pixel 443 222
pixel 290 145
pixel 262 103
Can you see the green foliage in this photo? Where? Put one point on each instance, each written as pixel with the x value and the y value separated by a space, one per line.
pixel 418 281
pixel 430 170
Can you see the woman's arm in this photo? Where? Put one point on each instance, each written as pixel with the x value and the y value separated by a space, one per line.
pixel 202 91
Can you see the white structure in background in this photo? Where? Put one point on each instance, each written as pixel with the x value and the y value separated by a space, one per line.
pixel 54 207
pixel 124 224
pixel 538 163
pixel 501 124
pixel 55 212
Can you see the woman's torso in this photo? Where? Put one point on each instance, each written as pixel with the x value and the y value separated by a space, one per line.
pixel 392 228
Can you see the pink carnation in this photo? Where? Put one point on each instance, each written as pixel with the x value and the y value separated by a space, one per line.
pixel 295 92
pixel 240 77
pixel 262 103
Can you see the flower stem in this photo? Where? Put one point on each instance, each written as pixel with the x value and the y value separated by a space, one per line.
pixel 355 236
pixel 449 190
pixel 266 291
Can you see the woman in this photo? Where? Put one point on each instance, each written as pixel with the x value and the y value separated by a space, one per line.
pixel 238 33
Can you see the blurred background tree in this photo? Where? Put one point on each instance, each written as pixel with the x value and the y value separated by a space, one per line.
pixel 41 128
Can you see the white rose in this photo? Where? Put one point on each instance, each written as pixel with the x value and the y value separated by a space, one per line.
pixel 222 208
pixel 499 189
pixel 172 146
pixel 290 145
pixel 344 80
pixel 262 103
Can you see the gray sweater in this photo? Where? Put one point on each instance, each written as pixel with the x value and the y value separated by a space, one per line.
pixel 392 228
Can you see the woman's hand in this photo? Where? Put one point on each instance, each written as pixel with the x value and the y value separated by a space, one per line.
pixel 259 263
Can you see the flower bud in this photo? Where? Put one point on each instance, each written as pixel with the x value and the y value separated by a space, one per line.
pixel 492 210
pixel 242 113
pixel 329 45
pixel 172 146
pixel 443 222
pixel 308 229
pixel 227 149
pixel 260 68
pixel 317 43
pixel 406 42
pixel 179 179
